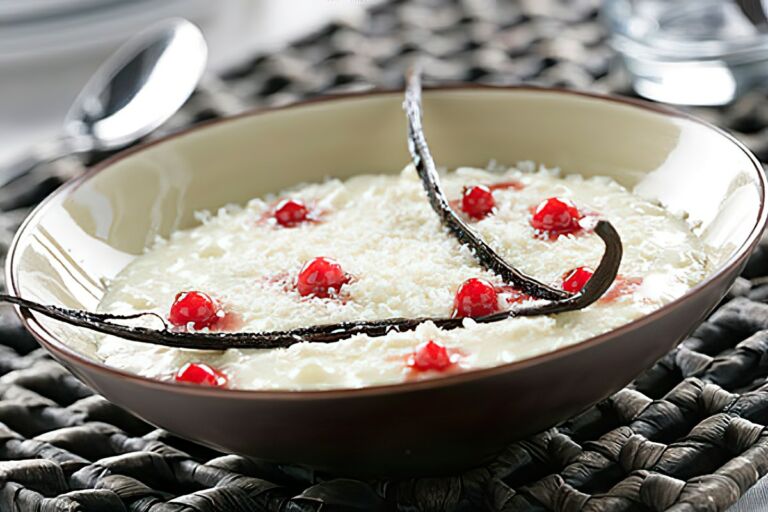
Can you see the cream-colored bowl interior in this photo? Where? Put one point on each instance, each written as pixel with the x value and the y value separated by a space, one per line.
pixel 72 246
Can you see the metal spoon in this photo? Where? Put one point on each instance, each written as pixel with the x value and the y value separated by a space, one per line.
pixel 755 12
pixel 132 93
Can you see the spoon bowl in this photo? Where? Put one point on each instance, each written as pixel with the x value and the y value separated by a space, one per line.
pixel 140 86
pixel 132 93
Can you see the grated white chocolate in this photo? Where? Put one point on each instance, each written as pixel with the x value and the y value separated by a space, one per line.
pixel 381 229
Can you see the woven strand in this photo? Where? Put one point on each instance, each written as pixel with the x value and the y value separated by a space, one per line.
pixel 688 435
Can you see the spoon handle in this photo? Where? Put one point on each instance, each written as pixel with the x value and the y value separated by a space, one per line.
pixel 24 181
pixel 754 11
pixel 37 155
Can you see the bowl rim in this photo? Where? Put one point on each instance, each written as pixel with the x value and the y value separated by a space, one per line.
pixel 60 349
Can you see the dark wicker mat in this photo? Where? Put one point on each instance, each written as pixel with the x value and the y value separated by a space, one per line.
pixel 687 435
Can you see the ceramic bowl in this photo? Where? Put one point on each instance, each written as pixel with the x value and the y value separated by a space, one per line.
pixel 85 233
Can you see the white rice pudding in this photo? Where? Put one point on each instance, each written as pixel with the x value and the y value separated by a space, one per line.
pixel 403 263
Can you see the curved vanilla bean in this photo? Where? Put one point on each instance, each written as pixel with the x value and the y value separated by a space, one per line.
pixel 328 333
pixel 425 166
pixel 550 300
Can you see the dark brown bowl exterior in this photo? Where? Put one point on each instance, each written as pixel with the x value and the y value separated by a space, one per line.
pixel 429 427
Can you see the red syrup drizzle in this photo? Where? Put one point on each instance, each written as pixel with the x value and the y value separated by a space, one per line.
pixel 574 280
pixel 230 322
pixel 512 295
pixel 281 280
pixel 622 286
pixel 506 185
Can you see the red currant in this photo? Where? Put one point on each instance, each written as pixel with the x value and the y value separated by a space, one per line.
pixel 197 308
pixel 475 298
pixel 430 356
pixel 477 201
pixel 321 277
pixel 575 280
pixel 202 374
pixel 556 217
pixel 291 212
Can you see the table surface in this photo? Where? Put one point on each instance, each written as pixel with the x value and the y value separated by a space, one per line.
pixel 61 446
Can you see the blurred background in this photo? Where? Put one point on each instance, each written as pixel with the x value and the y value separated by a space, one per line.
pixel 709 56
pixel 688 52
pixel 49 48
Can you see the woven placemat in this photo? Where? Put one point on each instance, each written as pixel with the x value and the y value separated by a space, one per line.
pixel 687 435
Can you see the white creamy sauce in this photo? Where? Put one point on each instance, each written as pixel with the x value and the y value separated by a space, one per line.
pixel 382 231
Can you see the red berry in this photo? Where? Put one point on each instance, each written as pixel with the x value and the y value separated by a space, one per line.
pixel 477 201
pixel 197 308
pixel 575 280
pixel 556 216
pixel 290 212
pixel 321 277
pixel 475 298
pixel 199 373
pixel 430 356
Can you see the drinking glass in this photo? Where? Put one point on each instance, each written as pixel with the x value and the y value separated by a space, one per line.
pixel 688 52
